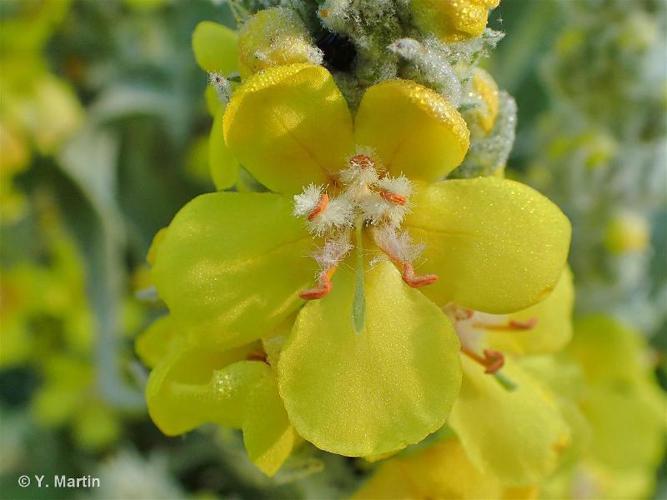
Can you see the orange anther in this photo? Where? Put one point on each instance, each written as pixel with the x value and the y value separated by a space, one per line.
pixel 462 314
pixel 362 161
pixel 528 324
pixel 492 361
pixel 510 326
pixel 393 197
pixel 258 356
pixel 416 281
pixel 320 207
pixel 316 293
pixel 323 288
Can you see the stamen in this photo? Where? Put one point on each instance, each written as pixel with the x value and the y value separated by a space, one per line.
pixel 393 197
pixel 462 314
pixel 510 326
pixel 492 361
pixel 258 355
pixel 323 288
pixel 417 281
pixel 320 207
pixel 401 251
pixel 328 258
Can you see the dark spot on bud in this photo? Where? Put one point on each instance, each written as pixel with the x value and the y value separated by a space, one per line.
pixel 339 51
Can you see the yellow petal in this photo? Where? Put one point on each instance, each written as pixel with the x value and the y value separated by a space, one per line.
pixel 440 471
pixel 607 350
pixel 629 423
pixel 412 129
pixel 553 330
pixel 516 435
pixel 215 47
pixel 367 393
pixel 193 386
pixel 268 435
pixel 155 342
pixel 497 245
pixel 289 126
pixel 231 265
pixel 223 165
pixel 155 244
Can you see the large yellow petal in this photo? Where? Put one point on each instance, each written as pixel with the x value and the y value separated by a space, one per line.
pixel 498 245
pixel 215 47
pixel 231 265
pixel 412 130
pixel 379 390
pixel 290 126
pixel 516 435
pixel 553 329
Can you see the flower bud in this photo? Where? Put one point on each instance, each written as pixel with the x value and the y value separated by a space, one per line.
pixel 274 37
pixel 627 233
pixel 452 20
pixel 485 88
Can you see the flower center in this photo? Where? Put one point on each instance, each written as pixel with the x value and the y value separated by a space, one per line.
pixel 363 197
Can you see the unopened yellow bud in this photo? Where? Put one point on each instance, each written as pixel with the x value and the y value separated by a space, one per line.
pixel 627 233
pixel 601 149
pixel 485 87
pixel 274 37
pixel 14 149
pixel 453 20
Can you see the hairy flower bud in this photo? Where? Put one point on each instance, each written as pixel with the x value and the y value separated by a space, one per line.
pixel 273 37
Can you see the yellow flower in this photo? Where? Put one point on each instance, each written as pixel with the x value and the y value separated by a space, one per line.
pixel 517 435
pixel 66 397
pixel 47 325
pixel 191 385
pixel 623 409
pixel 37 109
pixel 452 20
pixel 373 365
pixel 442 470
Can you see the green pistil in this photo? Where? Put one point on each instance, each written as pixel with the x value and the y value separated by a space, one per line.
pixel 359 304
